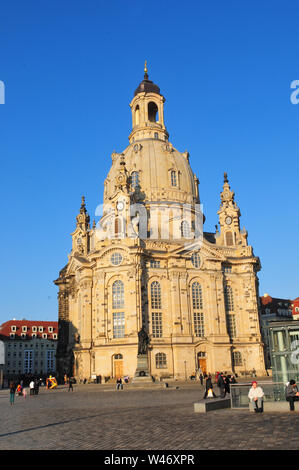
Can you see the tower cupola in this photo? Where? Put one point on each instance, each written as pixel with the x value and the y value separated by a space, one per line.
pixel 147 112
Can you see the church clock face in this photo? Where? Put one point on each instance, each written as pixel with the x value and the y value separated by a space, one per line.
pixel 228 220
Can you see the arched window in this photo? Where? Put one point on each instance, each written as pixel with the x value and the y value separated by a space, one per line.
pixel 152 112
pixel 161 362
pixel 137 115
pixel 156 295
pixel 229 299
pixel 229 238
pixel 195 259
pixel 118 300
pixel 135 180
pixel 237 358
pixel 197 296
pixel 198 315
pixel 185 229
pixel 173 178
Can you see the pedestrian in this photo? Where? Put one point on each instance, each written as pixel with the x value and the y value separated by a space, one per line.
pixel 119 384
pixel 256 395
pixel 65 379
pixel 36 387
pixel 19 390
pixel 233 380
pixel 201 379
pixel 70 384
pixel 31 386
pixel 292 394
pixel 221 385
pixel 12 391
pixel 209 388
pixel 24 392
pixel 227 383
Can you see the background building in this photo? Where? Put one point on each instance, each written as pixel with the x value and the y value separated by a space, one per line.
pixel 272 309
pixel 30 347
pixel 197 297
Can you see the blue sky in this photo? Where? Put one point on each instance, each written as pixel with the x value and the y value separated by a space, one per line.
pixel 70 70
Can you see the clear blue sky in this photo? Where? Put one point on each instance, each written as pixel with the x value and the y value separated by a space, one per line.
pixel 70 69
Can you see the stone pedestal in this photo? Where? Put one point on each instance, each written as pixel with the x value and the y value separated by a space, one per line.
pixel 142 374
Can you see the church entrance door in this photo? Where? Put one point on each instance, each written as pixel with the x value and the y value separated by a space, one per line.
pixel 118 365
pixel 202 363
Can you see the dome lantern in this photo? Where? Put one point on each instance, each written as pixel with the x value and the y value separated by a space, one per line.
pixel 147 111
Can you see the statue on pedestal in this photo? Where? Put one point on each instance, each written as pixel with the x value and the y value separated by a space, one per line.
pixel 143 341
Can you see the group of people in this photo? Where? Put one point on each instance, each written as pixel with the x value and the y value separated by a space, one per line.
pixel 255 394
pixel 223 383
pixel 20 390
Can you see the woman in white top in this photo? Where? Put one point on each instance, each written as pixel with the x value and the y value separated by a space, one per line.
pixel 256 395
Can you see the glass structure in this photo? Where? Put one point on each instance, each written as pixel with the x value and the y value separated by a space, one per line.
pixel 284 350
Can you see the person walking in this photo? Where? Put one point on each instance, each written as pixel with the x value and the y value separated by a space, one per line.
pixel 70 384
pixel 227 383
pixel 31 386
pixel 256 395
pixel 292 394
pixel 209 387
pixel 201 379
pixel 36 387
pixel 221 385
pixel 12 391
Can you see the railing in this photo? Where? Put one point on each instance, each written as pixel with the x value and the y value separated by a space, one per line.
pixel 274 391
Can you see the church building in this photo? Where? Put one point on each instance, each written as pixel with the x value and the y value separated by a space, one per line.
pixel 149 264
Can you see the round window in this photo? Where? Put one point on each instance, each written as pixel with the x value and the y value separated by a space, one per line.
pixel 116 259
pixel 195 259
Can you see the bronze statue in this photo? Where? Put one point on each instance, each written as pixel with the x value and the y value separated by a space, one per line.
pixel 143 341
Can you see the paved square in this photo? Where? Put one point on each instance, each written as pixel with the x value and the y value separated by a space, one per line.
pixel 99 417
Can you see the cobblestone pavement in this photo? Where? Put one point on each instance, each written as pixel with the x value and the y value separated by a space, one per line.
pixel 99 417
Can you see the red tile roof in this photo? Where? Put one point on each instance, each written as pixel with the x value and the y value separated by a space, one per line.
pixel 5 328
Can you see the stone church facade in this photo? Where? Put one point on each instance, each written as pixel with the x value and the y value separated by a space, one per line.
pixel 148 263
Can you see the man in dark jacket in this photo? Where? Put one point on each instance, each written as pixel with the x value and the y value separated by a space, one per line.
pixel 221 385
pixel 292 394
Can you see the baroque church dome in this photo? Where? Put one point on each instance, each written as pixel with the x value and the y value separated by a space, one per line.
pixel 151 163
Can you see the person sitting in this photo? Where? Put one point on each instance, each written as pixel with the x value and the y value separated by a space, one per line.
pixel 292 394
pixel 119 384
pixel 256 395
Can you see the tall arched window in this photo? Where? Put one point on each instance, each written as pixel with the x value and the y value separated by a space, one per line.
pixel 156 306
pixel 118 303
pixel 198 315
pixel 173 178
pixel 229 299
pixel 197 296
pixel 230 315
pixel 118 300
pixel 137 115
pixel 185 229
pixel 152 112
pixel 229 238
pixel 156 295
